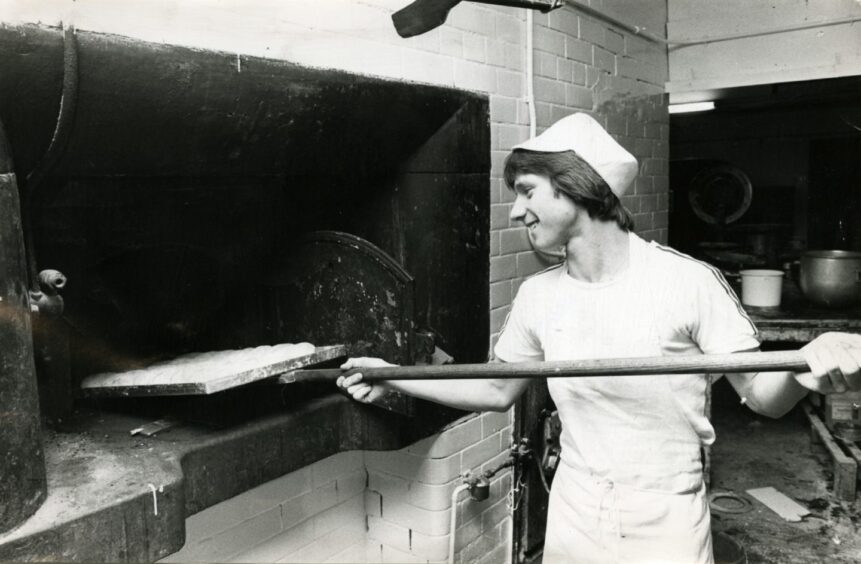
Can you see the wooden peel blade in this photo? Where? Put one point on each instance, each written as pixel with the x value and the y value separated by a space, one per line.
pixel 639 366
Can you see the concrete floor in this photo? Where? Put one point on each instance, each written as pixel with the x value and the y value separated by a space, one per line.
pixel 752 452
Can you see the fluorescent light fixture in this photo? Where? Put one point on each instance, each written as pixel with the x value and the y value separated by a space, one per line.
pixel 691 107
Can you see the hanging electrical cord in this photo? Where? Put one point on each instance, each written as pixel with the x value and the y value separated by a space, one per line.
pixel 62 132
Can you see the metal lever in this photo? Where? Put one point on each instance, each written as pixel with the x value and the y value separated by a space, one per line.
pixel 424 15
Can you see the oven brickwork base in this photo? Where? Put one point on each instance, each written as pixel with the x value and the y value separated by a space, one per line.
pixel 368 506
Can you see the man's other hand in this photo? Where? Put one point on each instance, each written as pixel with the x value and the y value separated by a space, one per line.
pixel 835 363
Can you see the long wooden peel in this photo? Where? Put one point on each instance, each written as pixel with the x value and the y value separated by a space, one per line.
pixel 641 366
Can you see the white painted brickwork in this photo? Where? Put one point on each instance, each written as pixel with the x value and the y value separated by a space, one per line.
pixel 584 64
pixel 364 506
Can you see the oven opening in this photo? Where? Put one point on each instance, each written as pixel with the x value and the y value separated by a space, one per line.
pixel 199 207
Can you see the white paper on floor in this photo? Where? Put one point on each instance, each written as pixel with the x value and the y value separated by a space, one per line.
pixel 779 503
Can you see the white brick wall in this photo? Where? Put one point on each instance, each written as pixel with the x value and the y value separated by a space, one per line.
pixel 425 475
pixel 364 506
pixel 305 516
pixel 585 64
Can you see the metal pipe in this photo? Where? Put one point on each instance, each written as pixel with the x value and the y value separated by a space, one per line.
pixel 530 72
pixel 51 347
pixel 453 526
pixel 785 29
pixel 641 31
pixel 22 460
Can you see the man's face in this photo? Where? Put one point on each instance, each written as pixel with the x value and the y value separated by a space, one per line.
pixel 548 216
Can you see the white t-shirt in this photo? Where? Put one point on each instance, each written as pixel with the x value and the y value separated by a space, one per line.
pixel 643 431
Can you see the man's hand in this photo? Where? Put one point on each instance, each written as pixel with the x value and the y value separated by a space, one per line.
pixel 353 384
pixel 835 363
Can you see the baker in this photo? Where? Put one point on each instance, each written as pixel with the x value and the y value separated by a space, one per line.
pixel 630 486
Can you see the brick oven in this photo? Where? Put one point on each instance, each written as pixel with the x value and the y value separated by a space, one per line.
pixel 248 136
pixel 198 201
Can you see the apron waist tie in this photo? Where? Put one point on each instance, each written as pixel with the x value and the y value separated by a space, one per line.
pixel 609 501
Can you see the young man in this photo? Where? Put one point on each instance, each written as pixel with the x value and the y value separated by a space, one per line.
pixel 629 487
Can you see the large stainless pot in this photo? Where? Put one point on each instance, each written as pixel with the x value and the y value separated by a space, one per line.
pixel 831 278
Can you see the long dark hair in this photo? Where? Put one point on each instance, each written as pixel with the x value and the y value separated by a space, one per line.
pixel 572 176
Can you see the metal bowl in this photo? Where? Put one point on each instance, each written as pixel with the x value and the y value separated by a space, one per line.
pixel 831 278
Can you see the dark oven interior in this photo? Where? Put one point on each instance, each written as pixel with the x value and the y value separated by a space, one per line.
pixel 190 192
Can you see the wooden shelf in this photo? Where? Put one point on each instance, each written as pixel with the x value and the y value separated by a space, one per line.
pixel 845 466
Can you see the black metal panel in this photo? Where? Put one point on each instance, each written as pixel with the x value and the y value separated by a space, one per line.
pixel 337 288
pixel 530 515
pixel 22 463
pixel 445 229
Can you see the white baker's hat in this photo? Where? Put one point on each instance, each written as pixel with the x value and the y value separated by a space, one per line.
pixel 585 136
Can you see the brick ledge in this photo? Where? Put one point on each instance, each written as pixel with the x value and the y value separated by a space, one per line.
pixel 100 504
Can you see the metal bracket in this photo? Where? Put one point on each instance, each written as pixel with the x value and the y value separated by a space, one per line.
pixel 528 4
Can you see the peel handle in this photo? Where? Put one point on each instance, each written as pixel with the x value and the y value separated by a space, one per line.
pixel 773 361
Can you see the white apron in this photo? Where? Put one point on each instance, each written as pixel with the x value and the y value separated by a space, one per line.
pixel 618 495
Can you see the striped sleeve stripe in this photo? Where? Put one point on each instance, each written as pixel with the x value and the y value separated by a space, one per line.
pixel 721 280
pixel 505 323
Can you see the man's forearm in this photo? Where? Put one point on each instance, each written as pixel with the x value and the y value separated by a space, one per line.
pixel 772 394
pixel 469 395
